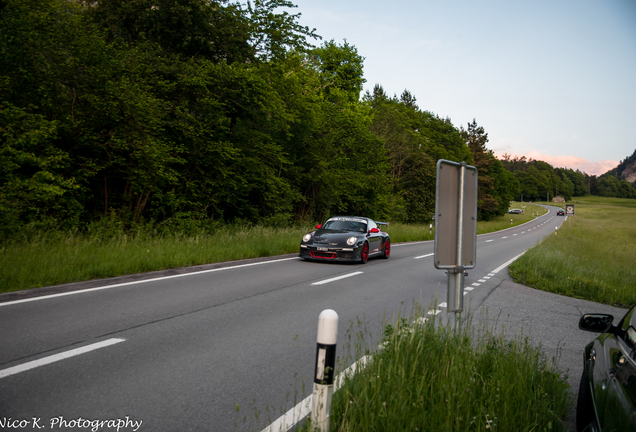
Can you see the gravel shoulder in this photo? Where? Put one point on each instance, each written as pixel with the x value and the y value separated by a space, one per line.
pixel 550 320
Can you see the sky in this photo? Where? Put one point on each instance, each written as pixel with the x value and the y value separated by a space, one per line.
pixel 551 80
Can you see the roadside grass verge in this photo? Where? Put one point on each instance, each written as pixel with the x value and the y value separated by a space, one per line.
pixel 510 220
pixel 429 377
pixel 590 257
pixel 54 257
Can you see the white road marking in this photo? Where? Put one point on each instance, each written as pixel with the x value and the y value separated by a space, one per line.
pixel 144 281
pixel 522 232
pixel 465 293
pixel 442 305
pixel 505 237
pixel 514 235
pixel 434 312
pixel 488 241
pixel 469 288
pixel 507 263
pixel 491 274
pixel 303 408
pixel 337 278
pixel 482 280
pixel 424 256
pixel 57 357
pixel 476 284
pixel 486 277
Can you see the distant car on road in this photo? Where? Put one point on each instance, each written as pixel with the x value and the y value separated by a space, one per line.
pixel 607 394
pixel 560 213
pixel 516 211
pixel 346 238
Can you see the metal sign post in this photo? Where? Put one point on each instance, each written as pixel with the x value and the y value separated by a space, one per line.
pixel 456 227
pixel 569 211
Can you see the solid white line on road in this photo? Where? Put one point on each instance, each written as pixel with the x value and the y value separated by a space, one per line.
pixel 488 241
pixel 57 357
pixel 337 278
pixel 144 281
pixel 303 408
pixel 507 263
pixel 411 243
pixel 424 256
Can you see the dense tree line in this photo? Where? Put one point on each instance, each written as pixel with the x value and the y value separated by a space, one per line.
pixel 181 110
pixel 538 180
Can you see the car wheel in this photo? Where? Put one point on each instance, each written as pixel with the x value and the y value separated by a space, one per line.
pixel 364 255
pixel 584 407
pixel 387 249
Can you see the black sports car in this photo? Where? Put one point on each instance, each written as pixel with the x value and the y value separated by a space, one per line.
pixel 346 238
pixel 607 394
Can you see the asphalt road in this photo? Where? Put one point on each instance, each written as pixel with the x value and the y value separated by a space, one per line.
pixel 215 348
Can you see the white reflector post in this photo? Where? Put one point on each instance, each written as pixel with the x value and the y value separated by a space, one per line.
pixel 324 370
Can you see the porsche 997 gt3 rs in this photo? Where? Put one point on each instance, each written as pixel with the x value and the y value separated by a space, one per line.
pixel 344 238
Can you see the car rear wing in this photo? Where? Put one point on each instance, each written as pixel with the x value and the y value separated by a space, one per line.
pixel 381 223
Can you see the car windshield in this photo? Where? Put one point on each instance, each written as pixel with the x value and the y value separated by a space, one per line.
pixel 345 225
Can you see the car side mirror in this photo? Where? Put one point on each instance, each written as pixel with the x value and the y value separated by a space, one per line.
pixel 597 323
pixel 318 226
pixel 374 230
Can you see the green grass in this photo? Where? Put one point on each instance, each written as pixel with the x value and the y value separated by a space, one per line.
pixel 428 377
pixel 591 257
pixel 54 258
pixel 510 220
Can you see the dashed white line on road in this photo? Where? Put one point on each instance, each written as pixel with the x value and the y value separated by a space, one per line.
pixel 337 278
pixel 469 288
pixel 476 284
pixel 486 277
pixel 57 357
pixel 482 280
pixel 514 235
pixel 424 256
pixel 505 237
pixel 488 241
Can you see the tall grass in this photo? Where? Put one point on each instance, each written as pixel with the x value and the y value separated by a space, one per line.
pixel 39 259
pixel 591 256
pixel 428 377
pixel 54 258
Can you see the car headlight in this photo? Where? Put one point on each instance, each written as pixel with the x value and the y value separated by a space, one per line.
pixel 352 240
pixel 306 237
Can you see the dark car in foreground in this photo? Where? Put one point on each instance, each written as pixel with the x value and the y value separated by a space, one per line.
pixel 346 238
pixel 607 394
pixel 560 213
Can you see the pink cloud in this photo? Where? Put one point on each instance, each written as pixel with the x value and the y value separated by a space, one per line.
pixel 573 162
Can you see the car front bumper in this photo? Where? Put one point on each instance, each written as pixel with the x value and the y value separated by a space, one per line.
pixel 331 254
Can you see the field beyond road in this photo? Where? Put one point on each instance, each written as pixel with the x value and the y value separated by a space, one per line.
pixel 590 257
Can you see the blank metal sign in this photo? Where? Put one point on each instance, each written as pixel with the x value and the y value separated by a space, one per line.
pixel 446 215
